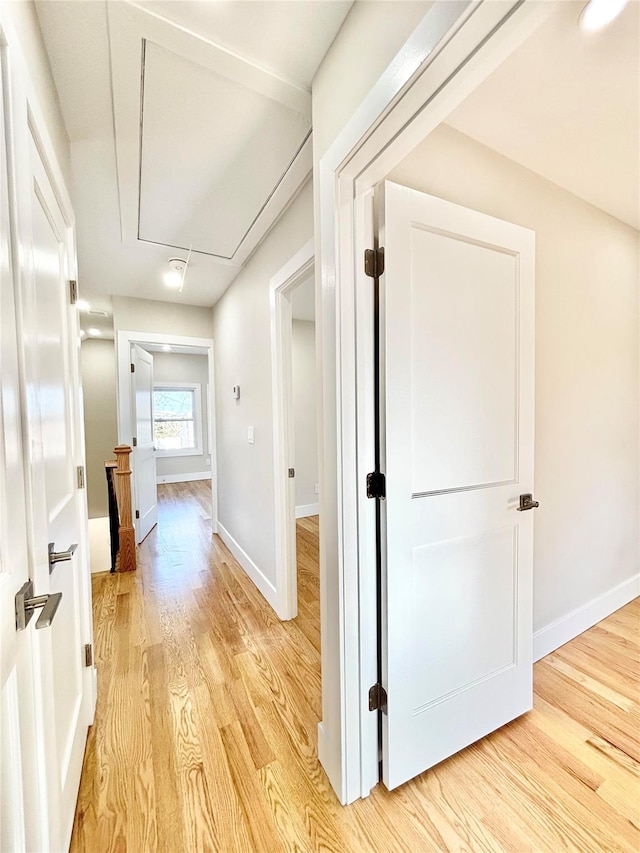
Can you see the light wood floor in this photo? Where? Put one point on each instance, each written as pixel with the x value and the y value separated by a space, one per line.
pixel 205 733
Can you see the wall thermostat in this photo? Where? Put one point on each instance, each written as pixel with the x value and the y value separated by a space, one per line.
pixel 236 392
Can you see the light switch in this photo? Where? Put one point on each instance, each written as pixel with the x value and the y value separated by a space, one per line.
pixel 252 435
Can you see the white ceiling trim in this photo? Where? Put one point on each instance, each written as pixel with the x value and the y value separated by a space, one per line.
pixel 232 53
pixel 128 27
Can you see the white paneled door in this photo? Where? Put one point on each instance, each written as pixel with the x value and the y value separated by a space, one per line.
pixel 457 373
pixel 55 496
pixel 144 454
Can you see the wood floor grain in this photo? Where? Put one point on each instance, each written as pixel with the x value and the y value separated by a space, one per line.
pixel 205 732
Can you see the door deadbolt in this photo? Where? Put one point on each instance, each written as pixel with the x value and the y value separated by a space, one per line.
pixel 27 603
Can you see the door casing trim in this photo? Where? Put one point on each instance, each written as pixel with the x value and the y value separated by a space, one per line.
pixel 461 45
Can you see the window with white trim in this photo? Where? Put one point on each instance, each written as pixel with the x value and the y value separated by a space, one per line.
pixel 177 419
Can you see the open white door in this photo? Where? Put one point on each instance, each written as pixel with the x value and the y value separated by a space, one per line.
pixel 457 395
pixel 56 499
pixel 144 454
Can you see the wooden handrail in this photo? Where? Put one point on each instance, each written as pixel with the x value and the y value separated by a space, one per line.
pixel 127 561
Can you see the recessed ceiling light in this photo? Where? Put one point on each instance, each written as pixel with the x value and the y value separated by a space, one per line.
pixel 166 348
pixel 598 13
pixel 82 304
pixel 93 332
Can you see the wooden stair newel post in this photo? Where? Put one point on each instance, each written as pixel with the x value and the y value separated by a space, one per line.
pixel 127 530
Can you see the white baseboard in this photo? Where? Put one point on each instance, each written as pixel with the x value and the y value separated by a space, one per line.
pixel 306 510
pixel 548 639
pixel 183 478
pixel 99 544
pixel 263 583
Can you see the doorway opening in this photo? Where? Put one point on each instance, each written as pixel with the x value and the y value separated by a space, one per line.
pixel 170 421
pixel 294 384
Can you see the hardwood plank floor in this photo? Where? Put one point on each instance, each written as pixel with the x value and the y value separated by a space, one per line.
pixel 205 732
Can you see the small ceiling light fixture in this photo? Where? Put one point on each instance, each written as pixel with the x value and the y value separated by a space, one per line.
pixel 166 348
pixel 93 332
pixel 598 13
pixel 177 272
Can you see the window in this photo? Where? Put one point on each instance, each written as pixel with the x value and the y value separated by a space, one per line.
pixel 177 422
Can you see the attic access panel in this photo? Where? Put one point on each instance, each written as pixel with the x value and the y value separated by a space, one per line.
pixel 212 152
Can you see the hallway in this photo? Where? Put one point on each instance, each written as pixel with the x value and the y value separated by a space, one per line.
pixel 205 731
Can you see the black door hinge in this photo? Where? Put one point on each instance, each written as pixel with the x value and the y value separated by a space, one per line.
pixel 376 485
pixel 377 698
pixel 137 513
pixel 133 367
pixel 135 441
pixel 374 262
pixel 88 654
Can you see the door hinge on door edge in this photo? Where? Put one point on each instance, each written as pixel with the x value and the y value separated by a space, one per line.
pixel 81 476
pixel 88 654
pixel 376 485
pixel 377 698
pixel 133 367
pixel 374 262
pixel 135 441
pixel 137 513
pixel 73 291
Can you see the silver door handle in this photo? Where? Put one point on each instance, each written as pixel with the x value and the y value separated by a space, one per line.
pixel 27 603
pixel 60 556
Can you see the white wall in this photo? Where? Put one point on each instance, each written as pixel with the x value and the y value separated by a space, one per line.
pixel 303 356
pixel 184 367
pixel 586 446
pixel 23 18
pixel 98 372
pixel 163 318
pixel 242 336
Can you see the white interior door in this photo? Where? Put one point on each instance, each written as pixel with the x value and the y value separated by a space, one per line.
pixel 144 455
pixel 55 498
pixel 457 368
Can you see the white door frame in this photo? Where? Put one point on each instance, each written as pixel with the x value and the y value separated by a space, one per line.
pixel 124 340
pixel 281 287
pixel 460 46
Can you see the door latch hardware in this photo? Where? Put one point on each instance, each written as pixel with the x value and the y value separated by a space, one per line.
pixel 27 602
pixel 60 556
pixel 292 473
pixel 88 654
pixel 376 485
pixel 527 502
pixel 377 698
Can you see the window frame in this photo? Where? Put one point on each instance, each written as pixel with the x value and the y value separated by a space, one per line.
pixel 196 389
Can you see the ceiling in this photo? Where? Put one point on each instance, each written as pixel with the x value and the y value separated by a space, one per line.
pixel 566 105
pixel 189 125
